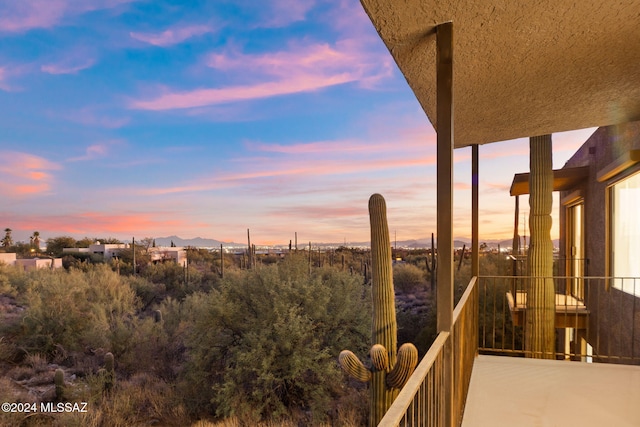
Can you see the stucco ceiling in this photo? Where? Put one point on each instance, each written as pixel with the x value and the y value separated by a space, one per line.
pixel 520 68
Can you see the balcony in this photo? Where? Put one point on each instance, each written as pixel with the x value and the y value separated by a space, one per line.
pixel 597 329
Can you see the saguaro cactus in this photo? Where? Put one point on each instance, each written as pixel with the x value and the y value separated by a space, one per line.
pixel 390 367
pixel 432 265
pixel 109 372
pixel 58 380
pixel 540 330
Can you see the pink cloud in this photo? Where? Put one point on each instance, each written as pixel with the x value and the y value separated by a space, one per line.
pixel 25 174
pixel 339 146
pixel 172 36
pixel 95 151
pixel 103 223
pixel 461 186
pixel 257 173
pixel 304 59
pixel 284 12
pixel 3 77
pixel 301 68
pixel 203 97
pixel 24 15
pixel 7 72
pixel 320 212
pixel 67 67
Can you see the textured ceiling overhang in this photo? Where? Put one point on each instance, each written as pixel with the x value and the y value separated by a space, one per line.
pixel 520 68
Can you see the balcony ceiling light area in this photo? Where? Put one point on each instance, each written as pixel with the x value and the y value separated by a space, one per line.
pixel 520 68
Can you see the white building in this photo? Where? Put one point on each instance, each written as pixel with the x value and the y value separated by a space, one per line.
pixel 176 254
pixel 30 263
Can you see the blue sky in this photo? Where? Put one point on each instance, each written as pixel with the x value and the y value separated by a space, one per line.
pixel 126 118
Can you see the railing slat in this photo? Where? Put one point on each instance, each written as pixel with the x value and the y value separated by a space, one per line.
pixel 421 402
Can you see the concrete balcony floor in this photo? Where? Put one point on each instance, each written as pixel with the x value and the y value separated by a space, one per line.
pixel 511 391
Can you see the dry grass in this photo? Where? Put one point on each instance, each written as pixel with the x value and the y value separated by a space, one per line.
pixel 38 362
pixel 234 422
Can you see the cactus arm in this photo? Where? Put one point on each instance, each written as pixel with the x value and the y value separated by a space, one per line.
pixel 379 357
pixel 350 363
pixel 407 361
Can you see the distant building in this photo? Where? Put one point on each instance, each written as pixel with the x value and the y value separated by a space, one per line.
pixel 33 263
pixel 30 263
pixel 8 258
pixel 175 254
pixel 107 252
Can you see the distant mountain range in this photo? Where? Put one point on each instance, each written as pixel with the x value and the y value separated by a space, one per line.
pixel 200 242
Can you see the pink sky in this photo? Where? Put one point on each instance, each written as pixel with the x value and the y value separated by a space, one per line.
pixel 205 119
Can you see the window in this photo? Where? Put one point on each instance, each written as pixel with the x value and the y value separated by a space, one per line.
pixel 625 234
pixel 575 249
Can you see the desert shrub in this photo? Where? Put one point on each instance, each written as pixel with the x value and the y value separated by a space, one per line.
pixel 407 277
pixel 146 351
pixel 171 274
pixel 74 309
pixel 266 341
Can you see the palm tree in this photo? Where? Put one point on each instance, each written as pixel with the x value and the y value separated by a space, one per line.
pixel 7 240
pixel 36 240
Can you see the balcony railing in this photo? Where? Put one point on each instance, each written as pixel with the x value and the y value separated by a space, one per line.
pixel 426 398
pixel 595 317
pixel 595 321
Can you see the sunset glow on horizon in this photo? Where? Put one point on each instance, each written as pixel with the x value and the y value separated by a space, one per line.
pixel 130 118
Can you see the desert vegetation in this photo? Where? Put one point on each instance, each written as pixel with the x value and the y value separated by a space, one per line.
pixel 257 345
pixel 180 346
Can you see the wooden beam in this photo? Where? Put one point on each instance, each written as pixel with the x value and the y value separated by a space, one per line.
pixel 475 183
pixel 563 179
pixel 444 198
pixel 445 176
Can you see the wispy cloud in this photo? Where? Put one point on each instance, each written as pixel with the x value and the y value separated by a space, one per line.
pixel 172 36
pixel 24 15
pixel 9 72
pixel 301 68
pixel 3 79
pixel 92 117
pixel 321 160
pixel 95 151
pixel 25 174
pixel 203 97
pixel 272 13
pixel 67 67
pixel 285 12
pixel 106 223
pixel 337 146
pixel 347 56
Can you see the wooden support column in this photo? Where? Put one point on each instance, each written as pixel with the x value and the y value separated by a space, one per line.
pixel 444 198
pixel 444 291
pixel 475 184
pixel 515 246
